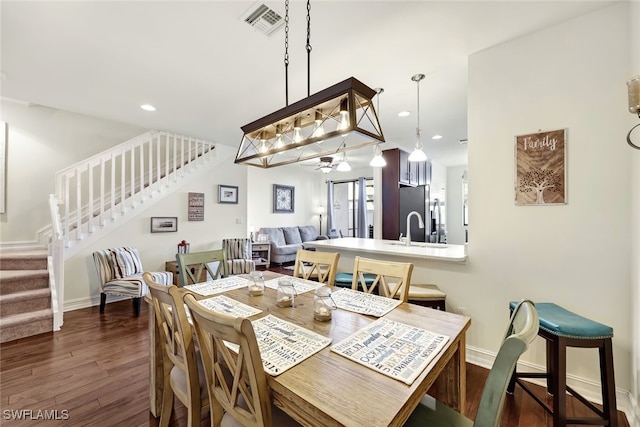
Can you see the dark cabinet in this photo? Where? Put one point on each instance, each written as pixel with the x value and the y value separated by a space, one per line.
pixel 399 172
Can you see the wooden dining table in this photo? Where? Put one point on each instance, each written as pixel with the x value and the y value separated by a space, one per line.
pixel 328 389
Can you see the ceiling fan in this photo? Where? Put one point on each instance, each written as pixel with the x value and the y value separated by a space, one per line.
pixel 326 164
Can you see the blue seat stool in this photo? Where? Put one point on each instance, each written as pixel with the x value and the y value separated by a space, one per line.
pixel 344 280
pixel 561 329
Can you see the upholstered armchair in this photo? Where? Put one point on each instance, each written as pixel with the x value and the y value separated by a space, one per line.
pixel 120 273
pixel 238 256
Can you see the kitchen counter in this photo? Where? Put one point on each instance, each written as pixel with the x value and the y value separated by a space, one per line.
pixel 417 250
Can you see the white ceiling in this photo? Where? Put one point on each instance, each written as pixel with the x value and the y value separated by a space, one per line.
pixel 208 72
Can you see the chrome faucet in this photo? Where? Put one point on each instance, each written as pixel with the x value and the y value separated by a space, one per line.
pixel 420 224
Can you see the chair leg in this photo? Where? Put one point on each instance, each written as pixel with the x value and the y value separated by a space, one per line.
pixel 137 305
pixel 607 380
pixel 103 301
pixel 559 355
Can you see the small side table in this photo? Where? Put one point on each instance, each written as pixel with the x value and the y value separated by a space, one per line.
pixel 261 254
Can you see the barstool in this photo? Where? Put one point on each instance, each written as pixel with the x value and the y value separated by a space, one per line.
pixel 344 280
pixel 561 329
pixel 428 296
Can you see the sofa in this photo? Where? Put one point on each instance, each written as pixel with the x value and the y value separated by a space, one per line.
pixel 285 241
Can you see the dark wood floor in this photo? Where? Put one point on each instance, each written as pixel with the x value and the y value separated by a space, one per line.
pixel 96 370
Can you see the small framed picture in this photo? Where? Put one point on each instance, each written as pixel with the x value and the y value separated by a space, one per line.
pixel 227 194
pixel 164 224
pixel 283 198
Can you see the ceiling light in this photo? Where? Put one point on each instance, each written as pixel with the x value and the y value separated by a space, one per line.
pixel 344 165
pixel 326 164
pixel 418 155
pixel 436 137
pixel 148 107
pixel 324 117
pixel 404 113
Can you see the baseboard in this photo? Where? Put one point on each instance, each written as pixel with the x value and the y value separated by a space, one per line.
pixel 77 304
pixel 589 389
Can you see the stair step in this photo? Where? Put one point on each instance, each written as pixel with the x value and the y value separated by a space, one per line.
pixel 25 325
pixel 25 301
pixel 12 281
pixel 30 260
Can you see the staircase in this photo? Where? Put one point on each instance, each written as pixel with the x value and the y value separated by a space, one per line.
pixel 25 297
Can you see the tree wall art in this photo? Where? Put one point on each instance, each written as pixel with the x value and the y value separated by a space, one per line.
pixel 541 173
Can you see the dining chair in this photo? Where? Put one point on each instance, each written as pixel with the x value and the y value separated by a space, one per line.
pixel 238 256
pixel 196 267
pixel 522 330
pixel 391 278
pixel 236 381
pixel 321 266
pixel 183 375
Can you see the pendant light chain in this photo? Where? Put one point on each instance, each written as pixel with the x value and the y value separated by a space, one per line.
pixel 418 102
pixel 286 52
pixel 308 47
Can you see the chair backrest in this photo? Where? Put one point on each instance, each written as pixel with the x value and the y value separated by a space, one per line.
pixel 116 263
pixel 236 381
pixel 392 278
pixel 315 264
pixel 237 254
pixel 179 346
pixel 522 329
pixel 194 264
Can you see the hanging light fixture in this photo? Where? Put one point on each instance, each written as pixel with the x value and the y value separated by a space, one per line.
pixel 294 133
pixel 418 155
pixel 344 165
pixel 378 161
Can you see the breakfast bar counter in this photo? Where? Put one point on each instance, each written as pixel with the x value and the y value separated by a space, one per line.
pixel 395 248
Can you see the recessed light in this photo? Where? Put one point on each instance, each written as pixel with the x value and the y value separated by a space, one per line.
pixel 436 137
pixel 404 113
pixel 148 107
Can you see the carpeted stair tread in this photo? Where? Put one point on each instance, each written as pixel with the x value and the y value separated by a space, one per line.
pixel 23 280
pixel 25 325
pixel 25 301
pixel 31 260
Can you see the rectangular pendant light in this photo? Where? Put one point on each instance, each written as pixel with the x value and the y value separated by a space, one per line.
pixel 349 121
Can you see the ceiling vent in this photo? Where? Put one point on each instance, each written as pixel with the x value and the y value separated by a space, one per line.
pixel 462 141
pixel 262 18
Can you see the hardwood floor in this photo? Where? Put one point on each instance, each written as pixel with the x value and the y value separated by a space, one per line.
pixel 95 372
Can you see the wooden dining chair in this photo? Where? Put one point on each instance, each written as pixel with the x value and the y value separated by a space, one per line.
pixel 522 330
pixel 194 267
pixel 321 266
pixel 182 367
pixel 236 381
pixel 391 278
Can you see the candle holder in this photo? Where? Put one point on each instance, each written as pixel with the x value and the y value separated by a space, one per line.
pixel 323 304
pixel 256 287
pixel 286 293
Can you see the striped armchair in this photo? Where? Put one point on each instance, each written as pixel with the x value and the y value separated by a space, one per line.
pixel 120 273
pixel 238 255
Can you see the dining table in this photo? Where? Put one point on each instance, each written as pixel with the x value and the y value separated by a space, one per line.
pixel 328 389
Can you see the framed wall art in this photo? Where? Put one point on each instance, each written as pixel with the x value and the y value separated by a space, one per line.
pixel 196 207
pixel 283 198
pixel 164 224
pixel 541 169
pixel 227 194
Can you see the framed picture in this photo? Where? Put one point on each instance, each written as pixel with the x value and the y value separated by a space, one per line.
pixel 283 198
pixel 227 194
pixel 164 224
pixel 196 207
pixel 541 168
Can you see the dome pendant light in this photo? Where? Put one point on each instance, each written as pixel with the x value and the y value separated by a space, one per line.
pixel 418 155
pixel 378 161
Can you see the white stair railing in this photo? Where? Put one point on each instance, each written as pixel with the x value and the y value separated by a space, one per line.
pixel 94 192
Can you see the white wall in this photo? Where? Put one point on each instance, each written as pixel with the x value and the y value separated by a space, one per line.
pixel 575 255
pixel 42 141
pixel 634 19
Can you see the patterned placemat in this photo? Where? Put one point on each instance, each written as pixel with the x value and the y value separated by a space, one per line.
pixel 392 348
pixel 283 344
pixel 225 305
pixel 301 285
pixel 218 286
pixel 361 302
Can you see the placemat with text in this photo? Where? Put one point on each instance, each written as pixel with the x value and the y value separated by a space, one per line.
pixel 300 285
pixel 225 305
pixel 218 286
pixel 361 302
pixel 392 348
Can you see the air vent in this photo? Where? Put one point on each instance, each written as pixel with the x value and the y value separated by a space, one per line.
pixel 462 141
pixel 263 19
